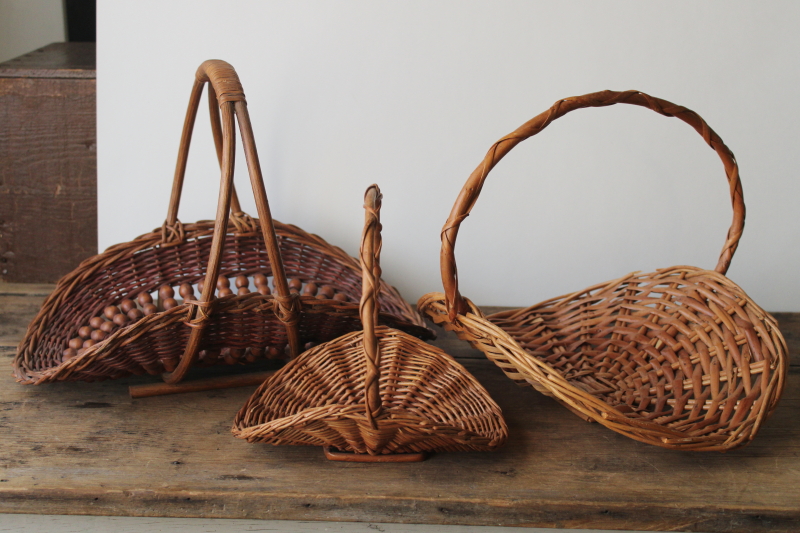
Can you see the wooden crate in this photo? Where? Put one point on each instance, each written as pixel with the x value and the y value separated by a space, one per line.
pixel 48 162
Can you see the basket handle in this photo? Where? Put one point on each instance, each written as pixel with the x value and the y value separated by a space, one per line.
pixel 370 252
pixel 228 92
pixel 220 74
pixel 472 189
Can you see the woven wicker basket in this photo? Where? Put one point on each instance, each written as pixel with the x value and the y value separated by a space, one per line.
pixel 380 393
pixel 680 358
pixel 282 260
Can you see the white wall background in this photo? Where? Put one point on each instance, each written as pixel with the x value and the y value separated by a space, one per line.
pixel 410 95
pixel 26 25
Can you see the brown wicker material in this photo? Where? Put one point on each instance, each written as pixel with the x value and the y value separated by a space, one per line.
pixel 374 392
pixel 680 358
pixel 232 327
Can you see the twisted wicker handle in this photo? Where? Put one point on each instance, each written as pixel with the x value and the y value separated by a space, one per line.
pixel 370 252
pixel 228 91
pixel 472 189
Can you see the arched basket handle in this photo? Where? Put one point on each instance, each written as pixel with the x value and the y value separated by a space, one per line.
pixel 220 75
pixel 370 252
pixel 228 92
pixel 472 189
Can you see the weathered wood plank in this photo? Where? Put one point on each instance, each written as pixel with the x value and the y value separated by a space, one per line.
pixel 56 60
pixel 87 448
pixel 16 312
pixel 48 169
pixel 789 324
pixel 28 523
pixel 33 290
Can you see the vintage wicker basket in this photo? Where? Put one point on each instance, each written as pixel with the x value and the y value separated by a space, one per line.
pixel 380 393
pixel 680 358
pixel 291 287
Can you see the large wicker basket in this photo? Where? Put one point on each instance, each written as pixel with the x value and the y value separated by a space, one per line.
pixel 380 394
pixel 680 358
pixel 293 287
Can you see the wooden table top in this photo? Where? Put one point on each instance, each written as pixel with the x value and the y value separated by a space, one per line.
pixel 87 448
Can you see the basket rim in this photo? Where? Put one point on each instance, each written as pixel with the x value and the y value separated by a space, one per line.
pixel 71 281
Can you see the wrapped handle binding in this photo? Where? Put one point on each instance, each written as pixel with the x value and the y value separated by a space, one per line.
pixel 472 189
pixel 370 252
pixel 226 89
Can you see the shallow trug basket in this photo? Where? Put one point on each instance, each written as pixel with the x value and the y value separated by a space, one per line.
pixel 308 290
pixel 680 358
pixel 380 394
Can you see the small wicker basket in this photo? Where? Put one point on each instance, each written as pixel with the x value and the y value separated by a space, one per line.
pixel 380 394
pixel 680 358
pixel 282 261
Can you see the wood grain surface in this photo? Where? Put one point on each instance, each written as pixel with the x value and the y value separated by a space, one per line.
pixel 87 448
pixel 48 163
pixel 28 523
pixel 56 60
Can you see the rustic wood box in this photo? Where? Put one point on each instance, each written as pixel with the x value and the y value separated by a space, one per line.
pixel 48 162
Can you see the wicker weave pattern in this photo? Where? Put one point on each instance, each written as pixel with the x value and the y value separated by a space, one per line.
pixel 422 399
pixel 193 253
pixel 141 265
pixel 681 358
pixel 425 405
